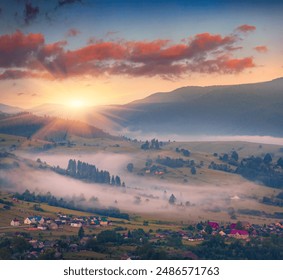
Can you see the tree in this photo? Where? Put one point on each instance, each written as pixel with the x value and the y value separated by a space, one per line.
pixel 172 199
pixel 49 254
pixel 225 157
pixel 130 167
pixel 193 170
pixel 81 233
pixel 112 180
pixel 239 225
pixel 145 146
pixel 280 162
pixel 117 181
pixel 208 229
pixel 235 156
pixel 20 245
pixel 267 159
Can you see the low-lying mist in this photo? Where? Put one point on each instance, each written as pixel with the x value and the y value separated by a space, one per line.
pixel 141 194
pixel 203 138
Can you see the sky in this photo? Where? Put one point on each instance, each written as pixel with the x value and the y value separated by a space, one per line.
pixel 99 52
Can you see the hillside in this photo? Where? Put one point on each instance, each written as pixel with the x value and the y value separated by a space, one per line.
pixel 248 109
pixel 10 109
pixel 47 128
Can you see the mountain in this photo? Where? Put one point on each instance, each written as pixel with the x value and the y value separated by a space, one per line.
pixel 10 109
pixel 248 109
pixel 48 128
pixel 48 109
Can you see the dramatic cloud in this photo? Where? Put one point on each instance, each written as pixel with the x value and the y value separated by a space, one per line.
pixel 261 49
pixel 28 55
pixel 246 28
pixel 30 12
pixel 73 32
pixel 17 49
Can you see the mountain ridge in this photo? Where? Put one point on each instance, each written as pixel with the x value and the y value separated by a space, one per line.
pixel 247 109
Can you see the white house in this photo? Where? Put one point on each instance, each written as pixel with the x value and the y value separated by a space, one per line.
pixel 15 222
pixel 34 220
pixel 76 224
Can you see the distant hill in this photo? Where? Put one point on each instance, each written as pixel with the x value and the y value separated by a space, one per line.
pixel 10 109
pixel 47 128
pixel 248 109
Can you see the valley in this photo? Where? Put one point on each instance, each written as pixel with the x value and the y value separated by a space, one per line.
pixel 141 210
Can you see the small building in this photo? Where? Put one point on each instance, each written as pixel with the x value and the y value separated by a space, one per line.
pixel 214 225
pixel 103 222
pixel 34 220
pixel 233 226
pixel 15 222
pixel 246 224
pixel 94 223
pixel 238 234
pixel 76 224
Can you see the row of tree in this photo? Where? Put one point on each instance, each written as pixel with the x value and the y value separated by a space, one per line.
pixel 154 144
pixel 76 203
pixel 85 171
pixel 184 152
pixel 262 169
pixel 255 168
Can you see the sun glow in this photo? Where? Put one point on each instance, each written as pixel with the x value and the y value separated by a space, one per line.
pixel 76 103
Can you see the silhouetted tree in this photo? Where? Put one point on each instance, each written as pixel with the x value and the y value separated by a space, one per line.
pixel 130 167
pixel 172 199
pixel 280 162
pixel 81 233
pixel 193 170
pixel 235 156
pixel 267 159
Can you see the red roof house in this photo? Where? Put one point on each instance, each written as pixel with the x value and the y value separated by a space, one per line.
pixel 214 225
pixel 239 234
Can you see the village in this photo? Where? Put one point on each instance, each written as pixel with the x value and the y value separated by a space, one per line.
pixel 82 242
pixel 38 232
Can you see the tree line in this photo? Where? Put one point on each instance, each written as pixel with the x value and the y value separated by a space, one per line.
pixel 51 200
pixel 89 172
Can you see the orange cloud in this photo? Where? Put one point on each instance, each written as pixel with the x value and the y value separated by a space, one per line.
pixel 246 28
pixel 17 49
pixel 205 52
pixel 261 49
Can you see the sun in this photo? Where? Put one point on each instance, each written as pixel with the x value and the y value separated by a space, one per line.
pixel 76 103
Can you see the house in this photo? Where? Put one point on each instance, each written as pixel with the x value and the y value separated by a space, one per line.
pixel 94 223
pixel 238 234
pixel 34 220
pixel 245 224
pixel 15 222
pixel 214 225
pixel 103 222
pixel 76 224
pixel 233 226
